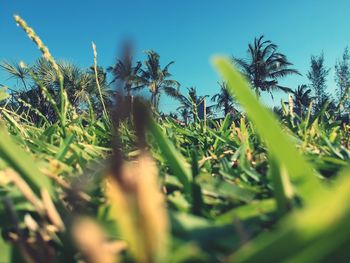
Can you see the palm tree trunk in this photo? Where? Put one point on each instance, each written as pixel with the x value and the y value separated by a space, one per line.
pixel 152 100
pixel 128 89
pixel 154 92
pixel 226 108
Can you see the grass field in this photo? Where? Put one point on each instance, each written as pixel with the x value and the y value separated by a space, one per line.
pixel 250 188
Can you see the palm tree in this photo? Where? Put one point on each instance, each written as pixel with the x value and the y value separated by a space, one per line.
pixel 17 72
pixel 80 85
pixel 224 100
pixel 185 114
pixel 265 66
pixel 191 102
pixel 77 83
pixel 301 99
pixel 157 79
pixel 128 74
pixel 27 93
pixel 21 75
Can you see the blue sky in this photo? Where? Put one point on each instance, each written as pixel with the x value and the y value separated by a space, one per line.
pixel 189 32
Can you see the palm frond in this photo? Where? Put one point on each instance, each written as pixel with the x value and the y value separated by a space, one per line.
pixel 283 73
pixel 284 89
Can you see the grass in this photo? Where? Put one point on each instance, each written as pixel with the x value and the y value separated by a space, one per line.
pixel 256 188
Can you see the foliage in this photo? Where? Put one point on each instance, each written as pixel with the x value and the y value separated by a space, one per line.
pixel 189 104
pixel 317 76
pixel 224 100
pixel 302 99
pixel 342 76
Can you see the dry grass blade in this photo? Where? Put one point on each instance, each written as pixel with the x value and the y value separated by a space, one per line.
pixel 25 190
pixel 65 185
pixel 139 208
pixel 51 210
pixel 92 242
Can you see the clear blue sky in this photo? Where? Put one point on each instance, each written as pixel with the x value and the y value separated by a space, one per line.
pixel 187 31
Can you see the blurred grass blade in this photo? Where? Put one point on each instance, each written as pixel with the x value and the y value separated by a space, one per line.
pixel 308 235
pixel 90 237
pixel 278 143
pixel 23 163
pixel 281 185
pixel 3 94
pixel 248 211
pixel 65 147
pixel 5 251
pixel 140 210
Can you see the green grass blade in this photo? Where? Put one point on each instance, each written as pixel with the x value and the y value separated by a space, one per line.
pixel 5 251
pixel 312 234
pixel 23 163
pixel 281 185
pixel 65 147
pixel 176 161
pixel 225 124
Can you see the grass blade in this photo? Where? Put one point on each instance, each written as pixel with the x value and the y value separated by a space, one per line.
pixel 176 161
pixel 23 163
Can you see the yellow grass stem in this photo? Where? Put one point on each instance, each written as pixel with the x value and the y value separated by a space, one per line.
pixel 98 82
pixel 49 58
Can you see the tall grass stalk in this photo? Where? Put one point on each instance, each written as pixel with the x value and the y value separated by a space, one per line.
pixel 49 58
pixel 98 82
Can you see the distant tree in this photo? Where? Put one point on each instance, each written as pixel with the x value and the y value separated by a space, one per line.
pixel 15 71
pixel 80 85
pixel 301 99
pixel 190 102
pixel 157 79
pixel 342 77
pixel 318 76
pixel 124 71
pixel 223 100
pixel 27 93
pixel 185 114
pixel 265 66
